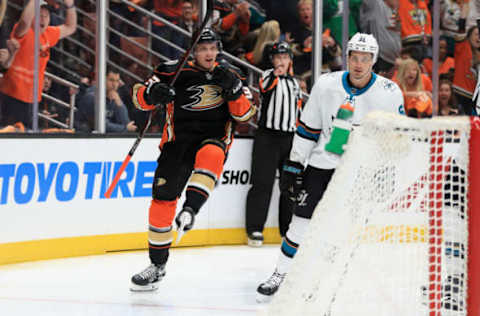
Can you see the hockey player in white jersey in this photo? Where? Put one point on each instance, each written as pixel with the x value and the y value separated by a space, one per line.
pixel 338 102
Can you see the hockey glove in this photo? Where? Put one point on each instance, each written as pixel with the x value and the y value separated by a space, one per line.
pixel 158 93
pixel 291 180
pixel 229 82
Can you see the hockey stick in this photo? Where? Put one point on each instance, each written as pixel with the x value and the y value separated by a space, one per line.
pixel 3 8
pixel 195 37
pixel 181 228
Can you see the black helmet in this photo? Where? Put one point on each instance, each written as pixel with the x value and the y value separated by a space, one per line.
pixel 281 48
pixel 209 36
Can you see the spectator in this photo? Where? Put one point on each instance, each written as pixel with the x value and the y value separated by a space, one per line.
pixel 281 98
pixel 260 55
pixel 49 107
pixel 334 21
pixel 116 116
pixel 170 10
pixel 8 50
pixel 473 12
pixel 85 114
pixel 302 39
pixel 450 12
pixel 232 22
pixel 467 60
pixel 380 18
pixel 125 91
pixel 416 26
pixel 416 89
pixel 447 103
pixel 16 91
pixel 128 32
pixel 447 64
pixel 331 55
pixel 281 13
pixel 305 23
pixel 187 22
pixel 257 15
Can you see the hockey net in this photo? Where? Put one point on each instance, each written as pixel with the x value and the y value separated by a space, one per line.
pixel 391 234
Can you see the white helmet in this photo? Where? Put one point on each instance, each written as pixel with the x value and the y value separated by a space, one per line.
pixel 361 42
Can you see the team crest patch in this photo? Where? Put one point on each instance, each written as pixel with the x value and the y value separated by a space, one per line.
pixel 161 181
pixel 209 76
pixel 388 85
pixel 205 97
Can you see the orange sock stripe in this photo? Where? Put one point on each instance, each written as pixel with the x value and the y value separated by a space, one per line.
pixel 210 157
pixel 162 213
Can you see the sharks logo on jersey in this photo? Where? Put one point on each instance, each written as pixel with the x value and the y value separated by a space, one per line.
pixel 389 85
pixel 205 97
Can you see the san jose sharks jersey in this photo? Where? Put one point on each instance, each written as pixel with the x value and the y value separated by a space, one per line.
pixel 329 93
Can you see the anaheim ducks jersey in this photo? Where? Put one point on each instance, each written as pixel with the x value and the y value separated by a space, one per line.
pixel 199 109
pixel 330 92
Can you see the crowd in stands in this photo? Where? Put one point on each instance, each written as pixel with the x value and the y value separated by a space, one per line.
pixel 248 29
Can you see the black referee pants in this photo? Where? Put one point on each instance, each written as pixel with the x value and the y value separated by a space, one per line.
pixel 270 150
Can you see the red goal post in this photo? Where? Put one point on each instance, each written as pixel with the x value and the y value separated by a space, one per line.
pixel 473 298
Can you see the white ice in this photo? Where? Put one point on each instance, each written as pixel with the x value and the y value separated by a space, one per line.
pixel 200 281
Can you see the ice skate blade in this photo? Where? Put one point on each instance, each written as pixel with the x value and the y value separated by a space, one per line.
pixel 261 298
pixel 255 243
pixel 143 288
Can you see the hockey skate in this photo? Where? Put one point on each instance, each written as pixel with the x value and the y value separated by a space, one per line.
pixel 267 289
pixel 255 239
pixel 148 279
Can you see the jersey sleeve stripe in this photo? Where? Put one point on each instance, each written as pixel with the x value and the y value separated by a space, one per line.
pixel 307 133
pixel 269 85
pixel 241 109
pixel 139 100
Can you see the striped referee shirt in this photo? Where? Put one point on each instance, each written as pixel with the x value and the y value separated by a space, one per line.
pixel 280 102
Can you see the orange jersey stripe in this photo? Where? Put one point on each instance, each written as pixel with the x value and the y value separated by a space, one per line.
pixel 141 100
pixel 241 109
pixel 273 85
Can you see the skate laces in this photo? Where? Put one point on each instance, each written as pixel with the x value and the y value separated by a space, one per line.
pixel 275 279
pixel 150 272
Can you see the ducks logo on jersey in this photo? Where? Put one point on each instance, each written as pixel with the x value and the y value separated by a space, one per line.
pixel 205 97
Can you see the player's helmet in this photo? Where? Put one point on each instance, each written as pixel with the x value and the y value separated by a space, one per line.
pixel 209 36
pixel 281 48
pixel 361 42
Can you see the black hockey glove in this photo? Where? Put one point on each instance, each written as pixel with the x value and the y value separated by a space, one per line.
pixel 158 93
pixel 291 180
pixel 229 82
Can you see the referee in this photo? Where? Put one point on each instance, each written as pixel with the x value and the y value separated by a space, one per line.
pixel 280 105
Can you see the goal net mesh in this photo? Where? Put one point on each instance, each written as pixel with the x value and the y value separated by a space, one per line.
pixel 390 236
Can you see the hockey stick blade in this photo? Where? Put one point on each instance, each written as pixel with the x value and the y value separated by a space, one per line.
pixel 181 229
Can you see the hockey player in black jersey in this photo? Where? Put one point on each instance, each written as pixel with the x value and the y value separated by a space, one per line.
pixel 201 109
